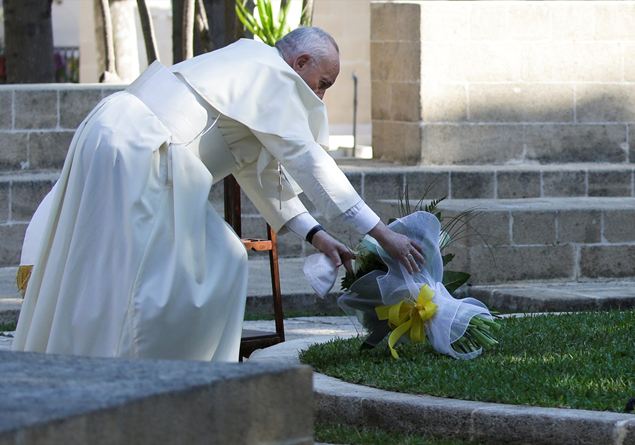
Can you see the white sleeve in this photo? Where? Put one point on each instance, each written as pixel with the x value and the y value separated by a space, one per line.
pixel 361 217
pixel 315 171
pixel 276 205
pixel 301 224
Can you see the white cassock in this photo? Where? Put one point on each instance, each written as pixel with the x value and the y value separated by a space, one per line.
pixel 130 258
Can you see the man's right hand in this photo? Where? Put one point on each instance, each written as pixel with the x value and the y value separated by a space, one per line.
pixel 399 247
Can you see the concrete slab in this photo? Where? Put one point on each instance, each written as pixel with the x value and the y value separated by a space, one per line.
pixel 64 399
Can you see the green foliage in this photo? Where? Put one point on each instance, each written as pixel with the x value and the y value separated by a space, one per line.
pixel 7 327
pixel 365 262
pixel 453 280
pixel 581 361
pixel 335 433
pixel 264 24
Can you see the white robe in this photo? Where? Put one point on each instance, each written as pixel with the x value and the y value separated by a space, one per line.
pixel 133 261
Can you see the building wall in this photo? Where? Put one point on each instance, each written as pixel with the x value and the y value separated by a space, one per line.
pixel 466 82
pixel 349 23
pixel 347 20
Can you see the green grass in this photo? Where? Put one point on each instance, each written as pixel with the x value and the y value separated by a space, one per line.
pixel 581 361
pixel 331 433
pixel 7 327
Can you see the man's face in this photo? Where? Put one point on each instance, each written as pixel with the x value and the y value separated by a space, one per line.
pixel 319 75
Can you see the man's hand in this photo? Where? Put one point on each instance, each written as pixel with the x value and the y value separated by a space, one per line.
pixel 400 247
pixel 336 251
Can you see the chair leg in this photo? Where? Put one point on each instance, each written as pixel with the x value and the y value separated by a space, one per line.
pixel 275 283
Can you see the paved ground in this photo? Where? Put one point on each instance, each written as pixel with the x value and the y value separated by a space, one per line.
pixel 295 328
pixel 291 278
pixel 297 294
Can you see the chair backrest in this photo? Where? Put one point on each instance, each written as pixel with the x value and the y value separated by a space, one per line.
pixel 232 204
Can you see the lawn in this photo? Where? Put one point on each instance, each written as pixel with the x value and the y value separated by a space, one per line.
pixel 7 327
pixel 581 361
pixel 371 436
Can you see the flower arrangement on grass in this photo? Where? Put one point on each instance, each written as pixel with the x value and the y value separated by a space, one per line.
pixel 390 302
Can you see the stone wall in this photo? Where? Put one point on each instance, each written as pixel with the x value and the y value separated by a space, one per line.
pixel 349 23
pixel 37 123
pixel 462 82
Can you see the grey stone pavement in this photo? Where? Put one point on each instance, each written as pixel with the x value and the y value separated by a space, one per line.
pixel 292 283
pixel 536 297
pixel 514 297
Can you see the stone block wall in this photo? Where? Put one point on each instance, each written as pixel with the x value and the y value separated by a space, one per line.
pixel 37 123
pixel 463 82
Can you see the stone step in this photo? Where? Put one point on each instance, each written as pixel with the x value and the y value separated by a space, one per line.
pixel 569 239
pixel 377 180
pixel 57 399
pixel 556 297
pixel 297 295
pixel 528 296
pixel 21 191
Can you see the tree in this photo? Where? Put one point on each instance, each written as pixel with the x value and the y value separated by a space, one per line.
pixel 203 38
pixel 190 29
pixel 187 29
pixel 28 41
pixel 149 38
pixel 307 13
pixel 110 71
pixel 224 25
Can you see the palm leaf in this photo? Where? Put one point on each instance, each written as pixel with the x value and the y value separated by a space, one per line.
pixel 246 18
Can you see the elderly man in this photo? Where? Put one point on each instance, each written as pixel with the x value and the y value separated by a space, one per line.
pixel 130 258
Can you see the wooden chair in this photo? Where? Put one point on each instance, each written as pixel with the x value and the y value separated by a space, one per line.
pixel 251 339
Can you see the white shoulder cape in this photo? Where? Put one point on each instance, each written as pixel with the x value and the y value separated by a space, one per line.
pixel 251 94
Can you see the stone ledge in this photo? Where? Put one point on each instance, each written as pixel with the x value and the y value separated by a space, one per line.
pixel 363 406
pixel 66 399
pixel 556 296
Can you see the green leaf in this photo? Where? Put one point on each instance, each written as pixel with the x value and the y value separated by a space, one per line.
pixel 246 18
pixel 453 280
pixel 447 258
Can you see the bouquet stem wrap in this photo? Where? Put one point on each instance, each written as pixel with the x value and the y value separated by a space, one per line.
pixel 398 302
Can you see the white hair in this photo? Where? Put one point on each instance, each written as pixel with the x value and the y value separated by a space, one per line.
pixel 311 40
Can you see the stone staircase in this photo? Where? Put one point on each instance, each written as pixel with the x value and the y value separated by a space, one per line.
pixel 553 223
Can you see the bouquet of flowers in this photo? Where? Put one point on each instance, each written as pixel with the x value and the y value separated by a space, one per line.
pixel 389 301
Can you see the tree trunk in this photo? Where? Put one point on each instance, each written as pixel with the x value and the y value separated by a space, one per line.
pixel 124 31
pixel 224 25
pixel 110 71
pixel 177 31
pixel 203 39
pixel 152 53
pixel 307 13
pixel 188 29
pixel 28 41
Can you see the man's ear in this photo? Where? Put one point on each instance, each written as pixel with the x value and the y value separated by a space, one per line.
pixel 301 61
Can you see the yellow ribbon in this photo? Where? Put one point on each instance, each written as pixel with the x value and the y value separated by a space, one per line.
pixel 407 316
pixel 22 278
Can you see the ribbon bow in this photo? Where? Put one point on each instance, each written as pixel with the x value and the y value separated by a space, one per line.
pixel 408 316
